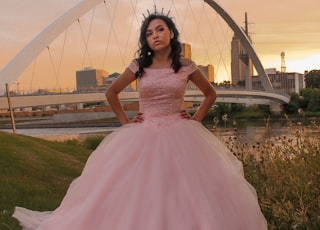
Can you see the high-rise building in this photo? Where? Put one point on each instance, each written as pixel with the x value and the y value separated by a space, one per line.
pixel 208 71
pixel 186 50
pixel 90 79
pixel 241 64
pixel 108 80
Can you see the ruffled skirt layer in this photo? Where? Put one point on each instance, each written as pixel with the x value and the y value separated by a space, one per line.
pixel 163 174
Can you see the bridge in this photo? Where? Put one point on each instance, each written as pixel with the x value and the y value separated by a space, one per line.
pixel 223 95
pixel 31 51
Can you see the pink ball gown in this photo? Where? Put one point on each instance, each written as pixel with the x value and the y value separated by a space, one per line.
pixel 166 173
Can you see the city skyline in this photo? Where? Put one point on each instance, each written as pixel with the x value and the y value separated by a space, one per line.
pixel 275 27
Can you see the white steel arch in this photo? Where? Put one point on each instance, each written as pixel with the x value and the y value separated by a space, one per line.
pixel 245 42
pixel 23 59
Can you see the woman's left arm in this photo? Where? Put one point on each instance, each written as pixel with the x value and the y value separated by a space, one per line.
pixel 208 91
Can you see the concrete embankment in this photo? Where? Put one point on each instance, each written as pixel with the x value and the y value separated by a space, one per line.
pixel 71 120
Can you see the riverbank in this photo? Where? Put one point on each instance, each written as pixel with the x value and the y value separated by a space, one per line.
pixel 49 129
pixel 51 122
pixel 245 130
pixel 39 125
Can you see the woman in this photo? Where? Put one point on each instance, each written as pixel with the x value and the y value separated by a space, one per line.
pixel 161 170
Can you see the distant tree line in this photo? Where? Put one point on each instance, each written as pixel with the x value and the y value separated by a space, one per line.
pixel 308 100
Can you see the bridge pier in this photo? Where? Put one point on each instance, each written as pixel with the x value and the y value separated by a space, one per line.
pixel 276 108
pixel 248 81
pixel 79 105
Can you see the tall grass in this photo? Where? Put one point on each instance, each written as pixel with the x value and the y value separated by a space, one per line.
pixel 285 171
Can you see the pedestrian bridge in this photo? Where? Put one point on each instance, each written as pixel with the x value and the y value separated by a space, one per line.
pixel 223 95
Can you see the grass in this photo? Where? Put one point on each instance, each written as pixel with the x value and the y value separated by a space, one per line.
pixel 35 173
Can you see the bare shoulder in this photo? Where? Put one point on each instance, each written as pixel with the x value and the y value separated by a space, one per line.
pixel 185 61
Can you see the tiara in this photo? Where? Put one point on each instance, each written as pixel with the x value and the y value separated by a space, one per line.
pixel 156 12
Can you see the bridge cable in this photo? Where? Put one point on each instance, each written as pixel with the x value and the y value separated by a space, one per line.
pixel 113 31
pixel 107 47
pixel 212 34
pixel 86 40
pixel 33 72
pixel 57 70
pixel 209 42
pixel 214 37
pixel 134 7
pixel 62 52
pixel 89 33
pixel 198 32
pixel 53 65
pixel 182 31
pixel 217 67
pixel 225 42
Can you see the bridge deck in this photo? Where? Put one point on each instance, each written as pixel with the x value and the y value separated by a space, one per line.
pixel 230 96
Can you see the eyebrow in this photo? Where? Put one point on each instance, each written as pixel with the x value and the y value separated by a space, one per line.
pixel 155 28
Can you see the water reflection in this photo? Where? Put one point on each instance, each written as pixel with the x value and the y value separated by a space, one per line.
pixel 244 131
pixel 252 132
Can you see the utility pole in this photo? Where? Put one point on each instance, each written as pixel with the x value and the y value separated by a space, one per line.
pixel 283 62
pixel 246 24
pixel 10 108
pixel 246 59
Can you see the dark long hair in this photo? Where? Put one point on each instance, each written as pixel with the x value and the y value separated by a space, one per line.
pixel 145 53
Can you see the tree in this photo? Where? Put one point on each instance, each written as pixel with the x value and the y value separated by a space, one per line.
pixel 222 108
pixel 293 105
pixel 312 79
pixel 241 83
pixel 310 99
pixel 314 102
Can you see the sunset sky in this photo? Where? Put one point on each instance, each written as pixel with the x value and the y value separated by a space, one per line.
pixel 290 26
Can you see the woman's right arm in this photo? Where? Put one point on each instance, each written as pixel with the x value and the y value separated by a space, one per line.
pixel 112 94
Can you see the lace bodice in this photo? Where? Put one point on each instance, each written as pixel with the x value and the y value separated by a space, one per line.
pixel 161 91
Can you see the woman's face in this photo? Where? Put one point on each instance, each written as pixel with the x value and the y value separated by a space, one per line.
pixel 158 35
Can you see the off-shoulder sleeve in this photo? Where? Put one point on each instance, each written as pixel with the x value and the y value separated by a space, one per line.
pixel 134 67
pixel 190 67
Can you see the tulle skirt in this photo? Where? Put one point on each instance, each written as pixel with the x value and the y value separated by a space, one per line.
pixel 166 173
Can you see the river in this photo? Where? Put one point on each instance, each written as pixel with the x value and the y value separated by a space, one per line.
pixel 250 130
